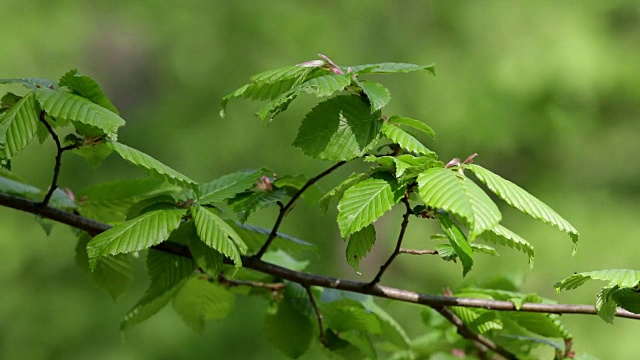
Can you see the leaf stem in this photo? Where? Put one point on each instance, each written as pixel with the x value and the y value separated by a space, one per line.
pixel 285 209
pixel 418 252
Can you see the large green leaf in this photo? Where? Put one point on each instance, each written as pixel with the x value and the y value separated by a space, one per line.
pixel 364 203
pixel 458 242
pixel 449 190
pixel 341 128
pixel 227 186
pixel 18 126
pixel 216 233
pixel 412 123
pixel 360 243
pixel 404 139
pixel 621 277
pixel 289 329
pixel 87 88
pixel 378 95
pixel 198 301
pixel 391 68
pixel 515 196
pixel 503 236
pixel 145 161
pixel 64 105
pixel 547 325
pixel 136 234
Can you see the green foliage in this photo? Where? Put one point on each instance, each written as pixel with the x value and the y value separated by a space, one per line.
pixel 360 243
pixel 218 234
pixel 364 203
pixel 199 301
pixel 18 127
pixel 289 329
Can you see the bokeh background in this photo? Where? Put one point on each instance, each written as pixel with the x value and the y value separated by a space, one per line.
pixel 546 92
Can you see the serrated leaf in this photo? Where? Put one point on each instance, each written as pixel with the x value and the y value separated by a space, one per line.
pixel 606 307
pixel 249 202
pixel 217 234
pixel 145 161
pixel 626 298
pixel 364 203
pixel 279 74
pixel 276 106
pixel 199 301
pixel 404 139
pixel 479 320
pixel 61 104
pixel 485 249
pixel 324 85
pixel 337 192
pixel 503 236
pixel 391 330
pixel 458 242
pixel 18 126
pixel 378 95
pixel 31 83
pixel 87 88
pixel 391 68
pixel 448 190
pixel 517 197
pixel 347 315
pixel 547 325
pixel 620 277
pixel 207 258
pixel 94 154
pixel 150 304
pixel 360 243
pixel 136 234
pixel 341 128
pixel 289 330
pixel 227 186
pixel 414 124
pixel 112 273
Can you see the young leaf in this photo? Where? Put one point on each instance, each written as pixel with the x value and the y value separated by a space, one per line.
pixel 87 88
pixel 324 85
pixel 198 301
pixel 143 160
pixel 515 196
pixel 458 242
pixel 227 186
pixel 605 306
pixel 404 139
pixel 61 104
pixel 251 201
pixel 289 330
pixel 18 126
pixel 391 68
pixel 378 95
pixel 621 277
pixel 279 74
pixel 412 123
pixel 364 203
pixel 503 236
pixel 337 192
pixel 136 234
pixel 360 243
pixel 341 128
pixel 446 189
pixel 217 234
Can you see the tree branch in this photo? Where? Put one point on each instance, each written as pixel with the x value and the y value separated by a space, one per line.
pixel 418 252
pixel 314 305
pixel 285 209
pixel 59 151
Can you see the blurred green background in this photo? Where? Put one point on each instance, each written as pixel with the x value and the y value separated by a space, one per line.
pixel 546 92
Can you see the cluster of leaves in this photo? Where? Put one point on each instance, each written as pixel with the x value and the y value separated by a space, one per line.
pixel 205 223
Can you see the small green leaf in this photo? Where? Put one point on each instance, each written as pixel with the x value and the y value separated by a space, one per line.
pixel 324 85
pixel 485 249
pixel 515 196
pixel 605 306
pixel 87 88
pixel 337 192
pixel 94 154
pixel 391 68
pixel 458 242
pixel 61 104
pixel 217 234
pixel 227 186
pixel 404 139
pixel 341 128
pixel 360 243
pixel 199 301
pixel 289 330
pixel 145 161
pixel 621 277
pixel 150 304
pixel 18 126
pixel 137 234
pixel 364 203
pixel 249 202
pixel 447 189
pixel 347 315
pixel 503 236
pixel 547 325
pixel 378 95
pixel 412 123
pixel 279 74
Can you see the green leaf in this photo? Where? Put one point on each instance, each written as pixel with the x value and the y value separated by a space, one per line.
pixel 451 191
pixel 199 301
pixel 249 202
pixel 112 273
pixel 87 88
pixel 18 126
pixel 31 83
pixel 404 139
pixel 360 243
pixel 341 128
pixel 408 166
pixel 364 203
pixel 294 183
pixel 391 330
pixel 136 234
pixel 412 123
pixel 254 237
pixel 94 153
pixel 284 259
pixel 276 106
pixel 378 95
pixel 515 196
pixel 478 320
pixel 279 74
pixel 458 242
pixel 337 192
pixel 391 68
pixel 547 325
pixel 11 184
pixel 217 234
pixel 347 315
pixel 289 330
pixel 324 85
pixel 605 306
pixel 626 298
pixel 485 249
pixel 503 236
pixel 145 161
pixel 150 304
pixel 227 186
pixel 61 104
pixel 207 258
pixel 621 277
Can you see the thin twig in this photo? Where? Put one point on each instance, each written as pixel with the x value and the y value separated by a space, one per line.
pixel 418 252
pixel 481 342
pixel 285 209
pixel 256 284
pixel 396 251
pixel 314 305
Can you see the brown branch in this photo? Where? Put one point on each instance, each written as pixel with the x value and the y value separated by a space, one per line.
pixel 285 209
pixel 256 284
pixel 396 251
pixel 418 252
pixel 314 305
